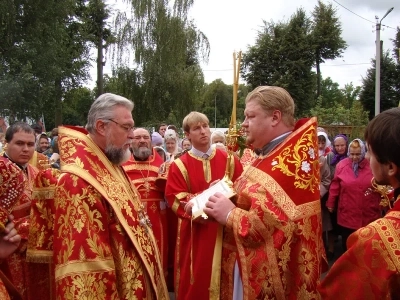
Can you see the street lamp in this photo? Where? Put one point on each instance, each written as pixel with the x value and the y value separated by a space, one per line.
pixel 378 63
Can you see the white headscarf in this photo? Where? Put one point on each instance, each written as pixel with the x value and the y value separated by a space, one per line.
pixel 327 144
pixel 171 135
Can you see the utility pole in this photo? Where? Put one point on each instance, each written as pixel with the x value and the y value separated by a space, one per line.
pixel 378 63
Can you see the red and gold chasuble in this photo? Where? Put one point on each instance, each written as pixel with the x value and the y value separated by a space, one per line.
pixel 39 160
pixel 40 242
pixel 275 232
pixel 370 268
pixel 104 247
pixel 12 186
pixel 23 274
pixel 199 245
pixel 143 175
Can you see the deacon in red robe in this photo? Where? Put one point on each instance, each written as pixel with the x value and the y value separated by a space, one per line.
pixel 199 243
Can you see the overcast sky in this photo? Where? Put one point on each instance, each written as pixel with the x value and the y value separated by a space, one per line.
pixel 232 25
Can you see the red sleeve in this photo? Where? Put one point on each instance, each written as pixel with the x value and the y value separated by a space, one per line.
pixel 364 271
pixel 334 189
pixel 176 191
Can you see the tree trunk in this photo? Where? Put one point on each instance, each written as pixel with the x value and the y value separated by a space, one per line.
pixel 100 63
pixel 317 65
pixel 58 106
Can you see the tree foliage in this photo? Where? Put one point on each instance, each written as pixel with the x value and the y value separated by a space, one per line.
pixel 167 50
pixel 282 56
pixel 44 55
pixel 326 35
pixel 340 115
pixel 286 51
pixel 390 95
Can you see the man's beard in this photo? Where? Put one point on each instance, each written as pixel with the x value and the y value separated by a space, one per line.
pixel 117 156
pixel 142 153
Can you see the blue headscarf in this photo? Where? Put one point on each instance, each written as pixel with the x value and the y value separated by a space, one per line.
pixel 362 156
pixel 338 157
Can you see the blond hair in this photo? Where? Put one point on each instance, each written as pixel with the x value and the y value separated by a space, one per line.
pixel 272 98
pixel 194 117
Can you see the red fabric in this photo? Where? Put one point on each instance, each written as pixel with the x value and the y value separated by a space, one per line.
pixel 103 246
pixel 357 204
pixel 275 231
pixel 370 268
pixel 204 241
pixel 24 274
pixel 153 199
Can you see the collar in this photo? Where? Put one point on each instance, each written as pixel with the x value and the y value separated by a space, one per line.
pixel 199 153
pixel 22 167
pixel 272 144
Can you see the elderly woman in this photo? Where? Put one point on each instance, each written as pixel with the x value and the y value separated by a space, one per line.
pixel 338 153
pixel 351 192
pixel 218 137
pixel 171 141
pixel 43 145
pixel 186 144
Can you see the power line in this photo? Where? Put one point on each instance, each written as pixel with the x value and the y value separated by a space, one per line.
pixel 360 16
pixel 353 12
pixel 389 27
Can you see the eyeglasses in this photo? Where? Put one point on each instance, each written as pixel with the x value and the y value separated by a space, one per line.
pixel 138 137
pixel 126 127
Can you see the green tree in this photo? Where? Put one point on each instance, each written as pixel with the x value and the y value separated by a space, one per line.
pixel 390 97
pixel 167 50
pixel 340 115
pixel 283 56
pixel 44 55
pixel 326 36
pixel 76 106
pixel 331 93
pixel 96 14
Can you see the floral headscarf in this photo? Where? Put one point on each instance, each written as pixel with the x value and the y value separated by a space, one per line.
pixel 338 157
pixel 362 156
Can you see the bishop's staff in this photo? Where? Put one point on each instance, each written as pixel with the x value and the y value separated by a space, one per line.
pixel 232 136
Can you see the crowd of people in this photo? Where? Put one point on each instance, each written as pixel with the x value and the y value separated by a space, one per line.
pixel 105 211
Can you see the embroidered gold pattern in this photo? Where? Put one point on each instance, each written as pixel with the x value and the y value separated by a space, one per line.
pixel 298 160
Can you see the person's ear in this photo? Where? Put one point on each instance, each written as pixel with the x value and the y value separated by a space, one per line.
pixel 393 169
pixel 100 127
pixel 276 117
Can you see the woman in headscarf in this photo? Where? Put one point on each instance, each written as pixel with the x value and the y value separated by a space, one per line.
pixel 351 192
pixel 324 144
pixel 338 153
pixel 171 141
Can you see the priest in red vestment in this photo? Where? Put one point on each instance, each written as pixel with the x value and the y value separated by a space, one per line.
pixel 273 245
pixel 370 268
pixel 143 168
pixel 11 188
pixel 104 246
pixel 20 148
pixel 199 243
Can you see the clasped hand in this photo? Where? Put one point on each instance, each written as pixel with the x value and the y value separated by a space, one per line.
pixel 9 240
